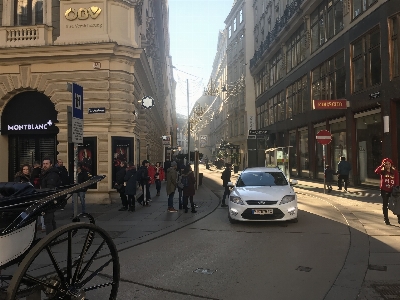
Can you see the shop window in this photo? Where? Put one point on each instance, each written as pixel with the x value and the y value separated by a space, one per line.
pixel 319 154
pixel 326 22
pixel 122 150
pixel 338 144
pixel 366 61
pixel 292 154
pixel 329 79
pixel 360 6
pixel 303 152
pixel 369 139
pixel 87 156
pixel 394 25
pixel 28 12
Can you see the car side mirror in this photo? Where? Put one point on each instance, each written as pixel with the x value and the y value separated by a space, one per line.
pixel 293 182
pixel 230 184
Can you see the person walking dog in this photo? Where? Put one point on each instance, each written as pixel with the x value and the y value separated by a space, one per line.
pixel 389 179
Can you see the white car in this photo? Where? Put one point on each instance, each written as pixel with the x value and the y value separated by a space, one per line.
pixel 262 194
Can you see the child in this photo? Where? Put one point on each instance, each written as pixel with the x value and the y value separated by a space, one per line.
pixel 329 177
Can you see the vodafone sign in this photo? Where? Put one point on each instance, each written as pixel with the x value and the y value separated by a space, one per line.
pixel 324 137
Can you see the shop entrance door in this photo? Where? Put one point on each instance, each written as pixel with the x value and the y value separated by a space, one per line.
pixel 25 149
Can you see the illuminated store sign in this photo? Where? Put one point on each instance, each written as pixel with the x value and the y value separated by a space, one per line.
pixel 30 126
pixel 82 13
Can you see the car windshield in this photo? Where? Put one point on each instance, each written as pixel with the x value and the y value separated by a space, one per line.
pixel 261 179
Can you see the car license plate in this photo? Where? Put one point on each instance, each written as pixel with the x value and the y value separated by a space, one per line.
pixel 263 211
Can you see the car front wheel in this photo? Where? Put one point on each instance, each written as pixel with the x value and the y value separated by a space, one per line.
pixel 232 221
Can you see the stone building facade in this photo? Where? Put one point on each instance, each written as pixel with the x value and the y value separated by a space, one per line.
pixel 118 51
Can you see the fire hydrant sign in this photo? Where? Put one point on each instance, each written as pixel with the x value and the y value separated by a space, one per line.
pixel 77 113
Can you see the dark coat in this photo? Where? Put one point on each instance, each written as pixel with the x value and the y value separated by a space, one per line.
pixel 130 179
pixel 329 174
pixel 50 179
pixel 35 177
pixel 142 175
pixel 83 176
pixel 344 167
pixel 226 177
pixel 119 179
pixel 189 190
pixel 21 177
pixel 64 176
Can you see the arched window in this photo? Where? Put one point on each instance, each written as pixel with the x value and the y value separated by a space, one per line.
pixel 28 12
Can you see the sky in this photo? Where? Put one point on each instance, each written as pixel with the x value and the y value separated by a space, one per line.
pixel 194 27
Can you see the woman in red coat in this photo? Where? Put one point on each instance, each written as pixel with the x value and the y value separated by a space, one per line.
pixel 389 179
pixel 189 190
pixel 159 175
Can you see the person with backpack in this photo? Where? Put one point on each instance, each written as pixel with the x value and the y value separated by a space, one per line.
pixel 226 177
pixel 188 181
pixel 130 188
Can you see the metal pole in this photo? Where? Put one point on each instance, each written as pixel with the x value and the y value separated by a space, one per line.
pixel 75 195
pixel 323 155
pixel 188 130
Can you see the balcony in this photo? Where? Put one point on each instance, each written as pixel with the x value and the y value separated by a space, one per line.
pixel 24 36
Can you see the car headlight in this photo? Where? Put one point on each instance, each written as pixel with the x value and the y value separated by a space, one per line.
pixel 288 198
pixel 236 200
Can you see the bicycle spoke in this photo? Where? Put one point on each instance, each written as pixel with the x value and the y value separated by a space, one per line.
pixel 89 263
pixel 69 258
pixel 95 273
pixel 98 286
pixel 56 266
pixel 85 248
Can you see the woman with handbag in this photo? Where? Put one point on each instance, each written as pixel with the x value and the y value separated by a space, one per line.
pixel 389 179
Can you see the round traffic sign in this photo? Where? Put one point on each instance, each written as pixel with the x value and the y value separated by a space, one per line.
pixel 324 137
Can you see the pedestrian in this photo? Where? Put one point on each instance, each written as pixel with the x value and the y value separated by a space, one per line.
pixel 389 179
pixel 83 176
pixel 159 176
pixel 151 172
pixel 172 177
pixel 119 185
pixel 63 172
pixel 188 189
pixel 144 181
pixel 49 179
pixel 130 188
pixel 226 177
pixel 329 177
pixel 24 175
pixel 343 172
pixel 180 186
pixel 35 174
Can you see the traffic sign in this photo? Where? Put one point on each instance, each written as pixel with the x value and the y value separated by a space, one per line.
pixel 324 137
pixel 77 113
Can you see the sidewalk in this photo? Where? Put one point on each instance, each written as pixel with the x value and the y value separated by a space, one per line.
pixel 148 222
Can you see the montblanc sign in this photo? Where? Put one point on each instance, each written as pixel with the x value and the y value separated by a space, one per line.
pixel 20 127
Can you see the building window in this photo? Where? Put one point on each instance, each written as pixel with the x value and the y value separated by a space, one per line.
pixel 359 6
pixel 234 24
pixel 275 70
pixel 241 16
pixel 329 79
pixel 326 22
pixel 242 125
pixel 28 12
pixel 394 24
pixel 366 61
pixel 295 53
pixel 230 32
pixel 297 99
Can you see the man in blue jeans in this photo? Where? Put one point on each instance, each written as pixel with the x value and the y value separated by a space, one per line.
pixel 172 177
pixel 343 172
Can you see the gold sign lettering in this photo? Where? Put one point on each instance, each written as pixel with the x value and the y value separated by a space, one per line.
pixel 82 13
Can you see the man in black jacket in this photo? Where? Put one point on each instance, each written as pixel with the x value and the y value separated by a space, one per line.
pixel 64 176
pixel 49 179
pixel 119 185
pixel 226 177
